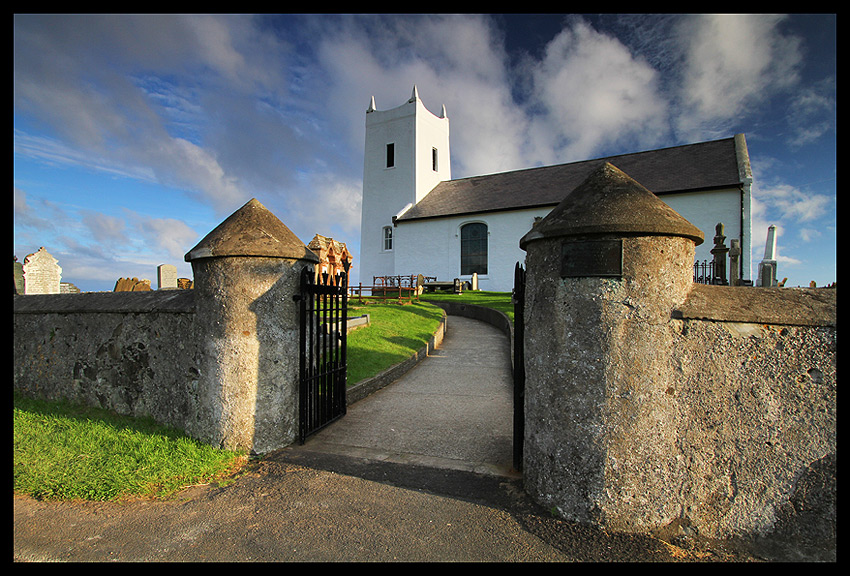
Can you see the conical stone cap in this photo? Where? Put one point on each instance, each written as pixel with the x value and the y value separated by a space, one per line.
pixel 609 202
pixel 251 231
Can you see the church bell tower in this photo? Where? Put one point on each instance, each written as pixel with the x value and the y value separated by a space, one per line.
pixel 406 155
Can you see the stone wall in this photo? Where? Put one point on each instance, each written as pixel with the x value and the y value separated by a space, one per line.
pixel 755 394
pixel 656 405
pixel 132 352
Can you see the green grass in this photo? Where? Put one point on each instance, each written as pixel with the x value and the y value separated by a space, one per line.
pixel 500 301
pixel 394 334
pixel 68 452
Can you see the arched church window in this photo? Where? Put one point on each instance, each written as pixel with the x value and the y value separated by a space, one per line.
pixel 473 248
pixel 388 238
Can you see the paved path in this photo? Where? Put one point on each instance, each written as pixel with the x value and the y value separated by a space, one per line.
pixel 454 410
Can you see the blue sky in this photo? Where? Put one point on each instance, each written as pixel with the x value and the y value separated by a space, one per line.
pixel 135 135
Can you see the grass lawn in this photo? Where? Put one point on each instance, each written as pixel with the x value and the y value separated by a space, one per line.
pixel 500 301
pixel 394 334
pixel 67 452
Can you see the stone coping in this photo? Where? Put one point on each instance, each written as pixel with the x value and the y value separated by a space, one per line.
pixel 780 306
pixel 173 301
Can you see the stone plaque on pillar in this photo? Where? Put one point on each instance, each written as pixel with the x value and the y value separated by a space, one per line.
pixel 595 258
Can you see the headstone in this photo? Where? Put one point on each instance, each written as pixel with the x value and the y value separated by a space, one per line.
pixel 42 274
pixel 719 252
pixel 770 244
pixel 166 276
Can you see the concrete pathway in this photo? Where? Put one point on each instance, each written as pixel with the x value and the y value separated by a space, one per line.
pixel 454 410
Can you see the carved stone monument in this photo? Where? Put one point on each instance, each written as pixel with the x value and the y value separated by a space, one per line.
pixel 132 285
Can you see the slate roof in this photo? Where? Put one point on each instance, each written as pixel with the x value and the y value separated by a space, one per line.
pixel 702 166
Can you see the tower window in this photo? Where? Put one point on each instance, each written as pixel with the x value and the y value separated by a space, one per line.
pixel 390 155
pixel 388 237
pixel 473 248
pixel 434 165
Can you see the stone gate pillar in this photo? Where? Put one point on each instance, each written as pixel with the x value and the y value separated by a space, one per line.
pixel 604 271
pixel 246 273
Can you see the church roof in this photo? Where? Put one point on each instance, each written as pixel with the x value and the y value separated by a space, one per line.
pixel 611 202
pixel 692 167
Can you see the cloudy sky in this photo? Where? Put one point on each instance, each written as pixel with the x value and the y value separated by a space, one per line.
pixel 134 136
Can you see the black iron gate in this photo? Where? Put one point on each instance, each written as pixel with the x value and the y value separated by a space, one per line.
pixel 519 363
pixel 322 359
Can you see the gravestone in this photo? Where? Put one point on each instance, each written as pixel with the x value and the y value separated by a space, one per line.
pixel 42 274
pixel 166 276
pixel 719 253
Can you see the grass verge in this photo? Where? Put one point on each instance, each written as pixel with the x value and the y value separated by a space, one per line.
pixel 500 301
pixel 394 334
pixel 68 452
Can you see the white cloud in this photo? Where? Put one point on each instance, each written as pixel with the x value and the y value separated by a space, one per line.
pixel 105 229
pixel 789 203
pixel 812 113
pixel 170 235
pixel 596 93
pixel 454 60
pixel 731 63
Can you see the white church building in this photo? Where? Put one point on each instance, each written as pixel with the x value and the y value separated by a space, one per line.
pixel 417 220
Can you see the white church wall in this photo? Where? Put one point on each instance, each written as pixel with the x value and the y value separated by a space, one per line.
pixel 432 247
